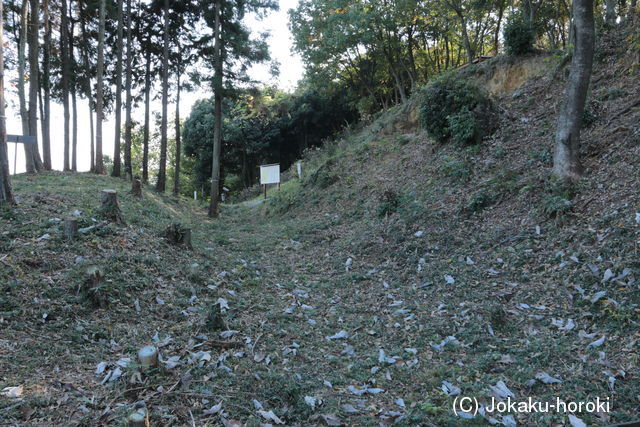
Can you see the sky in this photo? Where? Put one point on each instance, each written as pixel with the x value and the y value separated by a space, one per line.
pixel 281 48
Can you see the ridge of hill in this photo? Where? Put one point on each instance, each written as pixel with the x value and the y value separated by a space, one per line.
pixel 395 276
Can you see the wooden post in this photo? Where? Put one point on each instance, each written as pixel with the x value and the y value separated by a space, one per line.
pixel 136 188
pixel 110 208
pixel 265 191
pixel 70 229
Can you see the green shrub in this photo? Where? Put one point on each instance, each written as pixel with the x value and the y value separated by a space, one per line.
pixel 463 126
pixel 456 109
pixel 457 170
pixel 388 203
pixel 555 206
pixel 518 36
pixel 479 201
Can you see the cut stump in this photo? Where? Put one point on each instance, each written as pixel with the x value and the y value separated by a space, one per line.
pixel 70 229
pixel 177 234
pixel 110 208
pixel 136 188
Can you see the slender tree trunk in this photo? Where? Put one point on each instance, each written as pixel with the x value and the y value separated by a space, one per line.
pixel 22 94
pixel 34 61
pixel 147 107
pixel 176 175
pixel 465 37
pixel 64 45
pixel 87 87
pixel 610 14
pixel 128 101
pixel 46 86
pixel 162 172
pixel 92 154
pixel 118 110
pixel 6 192
pixel 74 131
pixel 74 85
pixel 217 125
pixel 566 162
pixel 496 37
pixel 99 95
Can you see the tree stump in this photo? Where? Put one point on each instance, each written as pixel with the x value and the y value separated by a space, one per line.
pixel 148 356
pixel 70 229
pixel 93 288
pixel 177 234
pixel 136 188
pixel 110 208
pixel 139 418
pixel 214 321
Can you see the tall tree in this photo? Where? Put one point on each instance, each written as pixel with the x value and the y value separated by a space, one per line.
pixel 6 192
pixel 176 169
pixel 46 87
pixel 73 82
pixel 66 75
pixel 87 84
pixel 162 170
pixel 118 72
pixel 147 108
pixel 128 100
pixel 34 66
pixel 22 95
pixel 217 113
pixel 566 161
pixel 99 94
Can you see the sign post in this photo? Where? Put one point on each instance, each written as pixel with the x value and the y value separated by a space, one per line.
pixel 19 139
pixel 269 174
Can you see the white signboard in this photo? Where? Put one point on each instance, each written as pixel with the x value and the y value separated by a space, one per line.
pixel 270 174
pixel 299 168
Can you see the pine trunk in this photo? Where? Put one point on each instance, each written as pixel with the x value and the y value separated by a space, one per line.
pixel 566 162
pixel 74 101
pixel 162 172
pixel 87 88
pixel 64 45
pixel 74 131
pixel 217 125
pixel 46 86
pixel 128 101
pixel 176 175
pixel 6 192
pixel 118 110
pixel 22 94
pixel 147 107
pixel 33 84
pixel 99 95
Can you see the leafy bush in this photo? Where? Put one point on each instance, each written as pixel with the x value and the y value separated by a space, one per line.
pixel 388 203
pixel 479 201
pixel 456 109
pixel 518 36
pixel 457 170
pixel 462 126
pixel 555 206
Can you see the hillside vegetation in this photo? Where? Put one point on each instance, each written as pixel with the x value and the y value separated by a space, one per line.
pixel 397 273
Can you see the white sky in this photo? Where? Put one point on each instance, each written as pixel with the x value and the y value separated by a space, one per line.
pixel 280 42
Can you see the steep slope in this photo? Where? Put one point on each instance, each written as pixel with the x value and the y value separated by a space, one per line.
pixel 481 244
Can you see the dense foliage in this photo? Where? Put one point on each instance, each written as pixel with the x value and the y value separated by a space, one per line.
pixel 266 126
pixel 456 109
pixel 518 36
